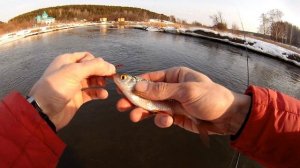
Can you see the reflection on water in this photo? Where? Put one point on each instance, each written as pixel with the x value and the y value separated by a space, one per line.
pixel 102 137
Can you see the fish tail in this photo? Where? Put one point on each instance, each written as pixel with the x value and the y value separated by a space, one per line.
pixel 203 133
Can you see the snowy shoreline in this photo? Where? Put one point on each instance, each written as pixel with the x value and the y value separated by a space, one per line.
pixel 224 37
pixel 252 44
pixel 10 37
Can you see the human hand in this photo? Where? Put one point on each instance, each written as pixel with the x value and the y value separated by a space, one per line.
pixel 196 95
pixel 59 90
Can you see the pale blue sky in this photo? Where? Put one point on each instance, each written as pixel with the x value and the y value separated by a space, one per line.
pixel 191 10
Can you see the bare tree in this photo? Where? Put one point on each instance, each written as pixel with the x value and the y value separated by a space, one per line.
pixel 291 33
pixel 217 18
pixel 275 16
pixel 172 18
pixel 270 24
pixel 235 28
pixel 196 23
pixel 218 21
pixel 264 27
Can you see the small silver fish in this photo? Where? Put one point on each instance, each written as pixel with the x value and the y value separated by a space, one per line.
pixel 126 84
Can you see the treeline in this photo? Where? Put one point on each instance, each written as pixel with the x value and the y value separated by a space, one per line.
pixel 272 25
pixel 91 13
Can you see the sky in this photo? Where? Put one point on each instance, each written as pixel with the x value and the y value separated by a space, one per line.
pixel 234 11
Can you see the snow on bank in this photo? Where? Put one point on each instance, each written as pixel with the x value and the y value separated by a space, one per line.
pixel 250 43
pixel 237 40
pixel 154 29
pixel 6 38
pixel 233 39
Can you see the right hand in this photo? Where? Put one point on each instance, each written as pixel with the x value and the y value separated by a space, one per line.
pixel 196 95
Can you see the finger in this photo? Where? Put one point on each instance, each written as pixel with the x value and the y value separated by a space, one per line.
pixel 101 81
pixel 97 67
pixel 163 120
pixel 101 93
pixel 170 75
pixel 185 123
pixel 92 94
pixel 92 83
pixel 138 114
pixel 72 58
pixel 84 84
pixel 80 57
pixel 65 59
pixel 124 105
pixel 88 56
pixel 158 90
pixel 157 76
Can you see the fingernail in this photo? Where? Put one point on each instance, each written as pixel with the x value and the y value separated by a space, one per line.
pixel 112 67
pixel 141 86
pixel 164 120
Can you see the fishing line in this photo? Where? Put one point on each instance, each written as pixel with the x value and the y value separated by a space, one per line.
pixel 247 55
pixel 248 76
pixel 238 154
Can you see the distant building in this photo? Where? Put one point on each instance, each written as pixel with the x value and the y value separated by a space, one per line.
pixel 121 19
pixel 103 19
pixel 45 19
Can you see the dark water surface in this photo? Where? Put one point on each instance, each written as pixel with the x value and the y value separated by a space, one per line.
pixel 99 136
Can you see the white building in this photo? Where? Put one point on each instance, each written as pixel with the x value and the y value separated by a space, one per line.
pixel 44 18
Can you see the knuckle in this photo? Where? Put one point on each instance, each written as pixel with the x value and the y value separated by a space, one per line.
pixel 64 56
pixel 87 53
pixel 182 68
pixel 159 89
pixel 100 59
pixel 63 66
pixel 60 57
pixel 186 91
pixel 76 67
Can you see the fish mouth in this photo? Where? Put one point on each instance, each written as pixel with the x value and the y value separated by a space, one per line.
pixel 115 78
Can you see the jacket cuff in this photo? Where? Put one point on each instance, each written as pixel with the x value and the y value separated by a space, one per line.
pixel 271 134
pixel 256 122
pixel 33 127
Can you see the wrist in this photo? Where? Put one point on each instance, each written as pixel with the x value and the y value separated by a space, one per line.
pixel 37 107
pixel 41 99
pixel 240 109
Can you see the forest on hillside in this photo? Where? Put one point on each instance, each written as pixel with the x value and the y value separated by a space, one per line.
pixel 91 13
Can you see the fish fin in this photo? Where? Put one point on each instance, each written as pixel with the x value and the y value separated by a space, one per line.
pixel 203 133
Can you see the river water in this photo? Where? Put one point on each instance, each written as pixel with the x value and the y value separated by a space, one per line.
pixel 99 136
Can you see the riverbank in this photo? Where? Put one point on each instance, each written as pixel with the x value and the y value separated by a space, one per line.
pixel 10 37
pixel 252 44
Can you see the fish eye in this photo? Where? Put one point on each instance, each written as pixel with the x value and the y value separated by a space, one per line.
pixel 123 77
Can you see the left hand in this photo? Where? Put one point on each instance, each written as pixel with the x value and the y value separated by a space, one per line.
pixel 59 90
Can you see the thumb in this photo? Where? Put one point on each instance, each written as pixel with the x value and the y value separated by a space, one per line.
pixel 157 90
pixel 94 67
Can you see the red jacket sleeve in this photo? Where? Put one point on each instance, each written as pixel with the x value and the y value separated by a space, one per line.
pixel 25 138
pixel 271 134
